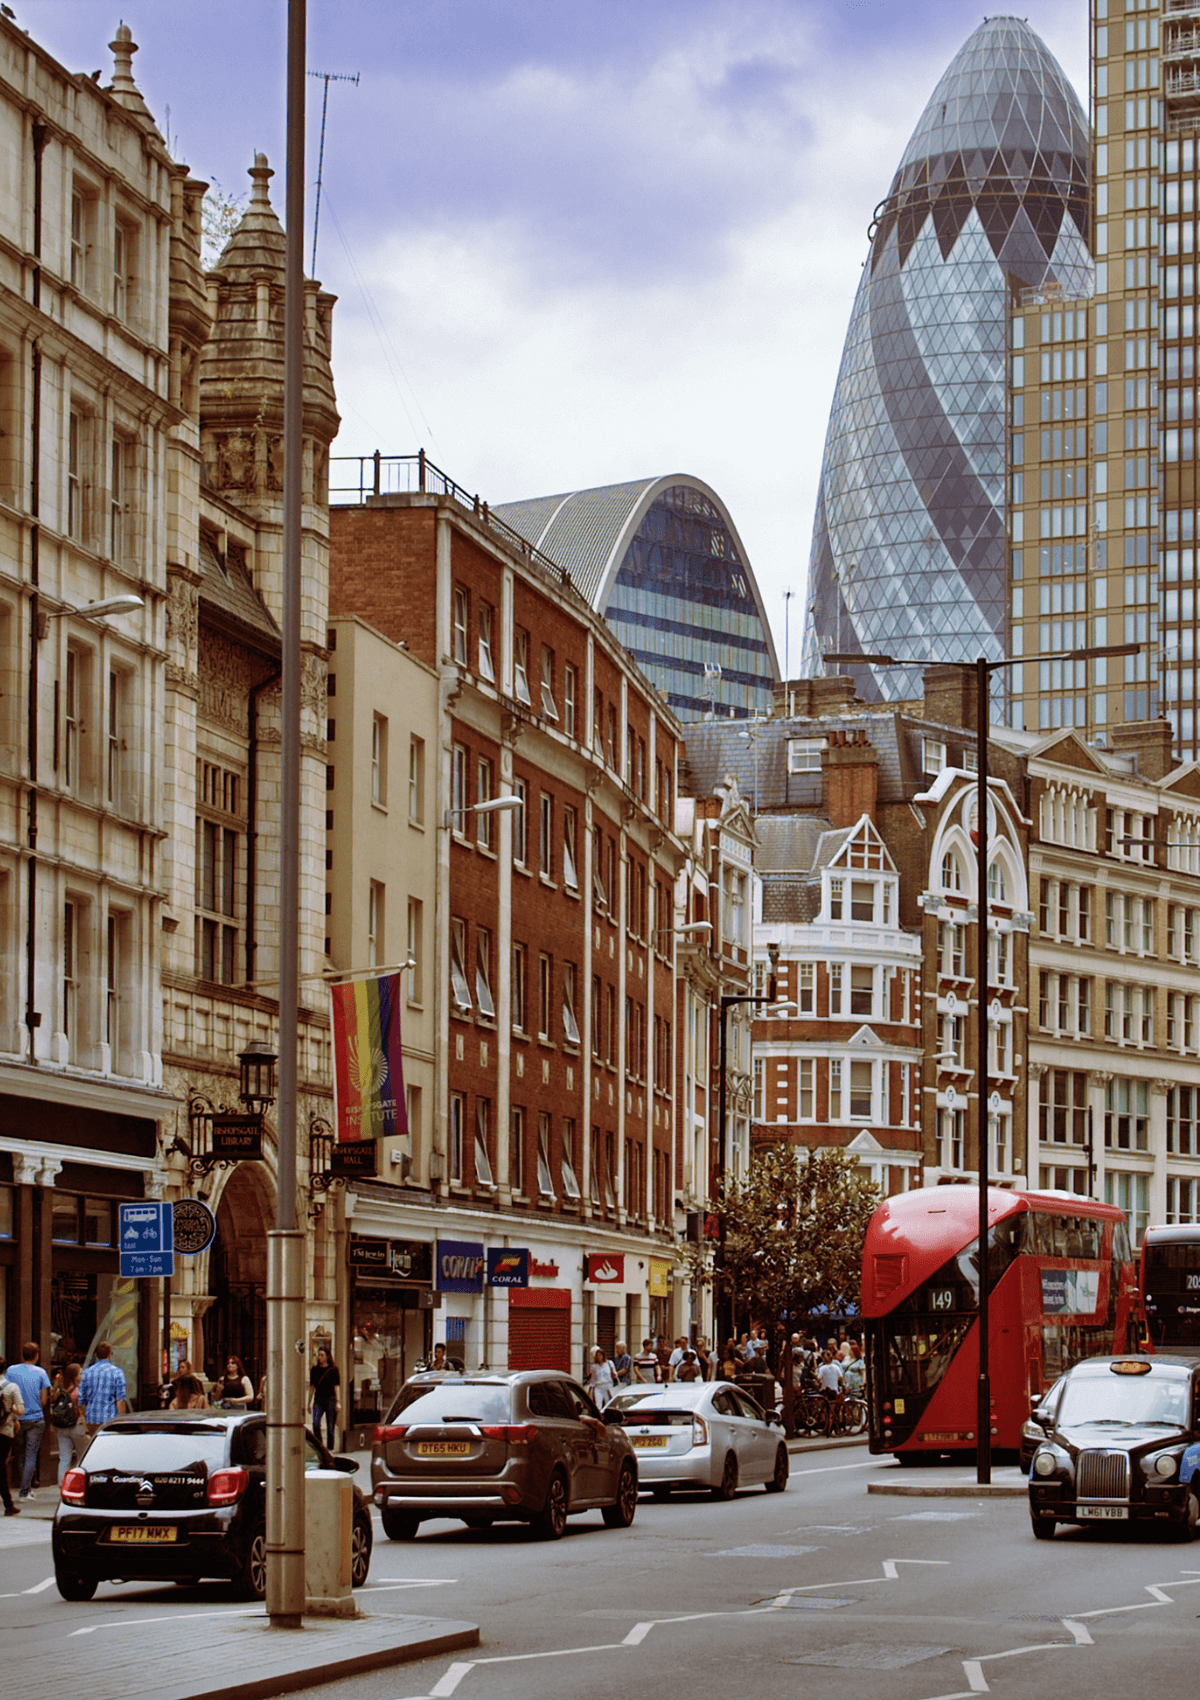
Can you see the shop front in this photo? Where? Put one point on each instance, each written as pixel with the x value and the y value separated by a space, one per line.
pixel 392 1300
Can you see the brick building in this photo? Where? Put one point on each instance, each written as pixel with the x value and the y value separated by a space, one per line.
pixel 550 984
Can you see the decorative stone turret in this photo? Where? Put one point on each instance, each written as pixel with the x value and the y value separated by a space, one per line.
pixel 123 88
pixel 241 400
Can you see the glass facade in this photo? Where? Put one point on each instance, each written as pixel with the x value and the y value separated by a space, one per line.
pixel 663 564
pixel 909 551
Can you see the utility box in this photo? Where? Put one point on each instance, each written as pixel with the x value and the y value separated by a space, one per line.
pixel 328 1533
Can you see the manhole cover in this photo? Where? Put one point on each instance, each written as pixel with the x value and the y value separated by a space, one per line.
pixel 863 1655
pixel 763 1552
pixel 809 1602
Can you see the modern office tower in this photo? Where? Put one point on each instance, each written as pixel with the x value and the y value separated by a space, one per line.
pixel 661 561
pixel 992 194
pixel 1087 494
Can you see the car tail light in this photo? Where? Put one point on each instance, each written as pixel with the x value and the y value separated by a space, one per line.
pixel 74 1487
pixel 515 1434
pixel 226 1486
pixel 699 1432
pixel 383 1432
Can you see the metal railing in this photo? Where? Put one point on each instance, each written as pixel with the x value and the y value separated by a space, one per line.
pixel 391 475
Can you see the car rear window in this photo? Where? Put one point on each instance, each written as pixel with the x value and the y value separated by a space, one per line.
pixel 474 1402
pixel 157 1450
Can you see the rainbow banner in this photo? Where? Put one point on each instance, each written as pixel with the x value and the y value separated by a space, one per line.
pixel 368 1068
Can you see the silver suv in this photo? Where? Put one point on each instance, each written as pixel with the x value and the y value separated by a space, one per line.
pixel 529 1446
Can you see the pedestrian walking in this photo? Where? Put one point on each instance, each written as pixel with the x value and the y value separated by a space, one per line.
pixel 236 1388
pixel 324 1394
pixel 854 1372
pixel 34 1386
pixel 622 1364
pixel 12 1409
pixel 102 1394
pixel 600 1378
pixel 706 1366
pixel 645 1365
pixel 66 1419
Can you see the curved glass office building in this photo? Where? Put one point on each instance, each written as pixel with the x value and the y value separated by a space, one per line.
pixel 909 545
pixel 661 561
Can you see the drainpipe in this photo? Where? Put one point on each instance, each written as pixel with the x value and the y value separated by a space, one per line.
pixel 252 816
pixel 32 1017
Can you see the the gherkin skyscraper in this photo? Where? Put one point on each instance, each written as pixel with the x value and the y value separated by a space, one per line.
pixel 990 198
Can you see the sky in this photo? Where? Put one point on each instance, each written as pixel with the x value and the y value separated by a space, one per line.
pixel 575 242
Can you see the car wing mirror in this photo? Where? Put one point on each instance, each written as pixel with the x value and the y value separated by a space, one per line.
pixel 348 1466
pixel 615 1418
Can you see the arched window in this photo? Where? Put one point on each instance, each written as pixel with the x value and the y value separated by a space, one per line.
pixel 997 884
pixel 951 872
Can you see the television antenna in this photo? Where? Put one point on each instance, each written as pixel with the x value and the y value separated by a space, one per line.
pixel 326 77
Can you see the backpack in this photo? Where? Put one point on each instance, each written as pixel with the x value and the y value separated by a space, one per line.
pixel 63 1411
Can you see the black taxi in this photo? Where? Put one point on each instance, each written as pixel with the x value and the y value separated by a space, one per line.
pixel 1123 1447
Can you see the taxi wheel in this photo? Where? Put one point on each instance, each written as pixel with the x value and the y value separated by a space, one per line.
pixel 620 1514
pixel 729 1479
pixel 1190 1527
pixel 1043 1528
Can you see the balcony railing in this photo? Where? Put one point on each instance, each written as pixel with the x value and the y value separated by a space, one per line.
pixel 389 475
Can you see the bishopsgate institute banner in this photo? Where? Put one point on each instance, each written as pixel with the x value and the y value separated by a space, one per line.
pixel 368 1070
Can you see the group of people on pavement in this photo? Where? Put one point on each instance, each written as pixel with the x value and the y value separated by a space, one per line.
pixel 74 1404
pixel 834 1370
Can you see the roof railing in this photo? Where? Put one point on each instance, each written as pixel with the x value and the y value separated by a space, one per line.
pixel 397 475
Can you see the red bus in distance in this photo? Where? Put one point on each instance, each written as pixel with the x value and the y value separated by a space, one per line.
pixel 1062 1287
pixel 1169 1288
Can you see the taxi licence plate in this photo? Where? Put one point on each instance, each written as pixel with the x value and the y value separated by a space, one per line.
pixel 642 1441
pixel 143 1534
pixel 443 1448
pixel 1103 1513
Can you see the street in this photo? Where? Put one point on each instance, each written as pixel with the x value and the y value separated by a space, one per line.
pixel 908 1597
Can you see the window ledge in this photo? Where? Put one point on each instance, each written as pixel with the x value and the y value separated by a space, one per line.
pixel 379 808
pixel 417 825
pixel 487 1022
pixel 571 891
pixel 520 868
pixel 459 1189
pixel 544 1203
pixel 545 1043
pixel 486 851
pixel 546 882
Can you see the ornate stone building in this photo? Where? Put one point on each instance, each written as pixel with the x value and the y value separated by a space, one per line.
pixel 140 596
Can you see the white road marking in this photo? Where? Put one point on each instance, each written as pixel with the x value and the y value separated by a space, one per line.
pixel 394 1587
pixel 39 1587
pixel 832 1469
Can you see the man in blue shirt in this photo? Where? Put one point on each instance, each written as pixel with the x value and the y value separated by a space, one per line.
pixel 34 1384
pixel 102 1389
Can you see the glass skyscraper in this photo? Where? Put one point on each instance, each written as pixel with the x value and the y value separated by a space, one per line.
pixel 992 197
pixel 660 560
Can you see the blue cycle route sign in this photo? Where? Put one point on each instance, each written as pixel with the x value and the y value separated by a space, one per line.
pixel 147 1238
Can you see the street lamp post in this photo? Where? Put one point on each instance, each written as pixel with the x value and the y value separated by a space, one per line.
pixel 728 1002
pixel 983 671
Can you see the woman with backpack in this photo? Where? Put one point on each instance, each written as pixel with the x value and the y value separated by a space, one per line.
pixel 65 1417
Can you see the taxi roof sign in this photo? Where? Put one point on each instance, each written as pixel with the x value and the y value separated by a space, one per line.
pixel 1130 1366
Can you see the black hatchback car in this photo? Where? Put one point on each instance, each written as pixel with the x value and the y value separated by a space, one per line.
pixel 176 1496
pixel 1123 1446
pixel 526 1446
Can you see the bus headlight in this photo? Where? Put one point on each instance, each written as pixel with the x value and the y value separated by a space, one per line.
pixel 1164 1465
pixel 1044 1463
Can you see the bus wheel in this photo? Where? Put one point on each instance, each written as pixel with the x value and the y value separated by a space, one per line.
pixel 1043 1527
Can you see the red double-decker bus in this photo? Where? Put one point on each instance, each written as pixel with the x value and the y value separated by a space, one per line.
pixel 1169 1288
pixel 1062 1286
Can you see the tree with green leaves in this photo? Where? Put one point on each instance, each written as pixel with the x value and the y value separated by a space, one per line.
pixel 794 1228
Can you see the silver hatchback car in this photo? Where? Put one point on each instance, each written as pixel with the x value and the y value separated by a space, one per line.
pixel 528 1446
pixel 703 1434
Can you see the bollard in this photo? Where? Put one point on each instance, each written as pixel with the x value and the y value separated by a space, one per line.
pixel 328 1528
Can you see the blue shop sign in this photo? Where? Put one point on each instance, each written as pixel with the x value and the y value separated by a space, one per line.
pixel 460 1265
pixel 508 1267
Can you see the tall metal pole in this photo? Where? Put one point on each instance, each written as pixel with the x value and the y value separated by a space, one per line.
pixel 983 1416
pixel 285 1247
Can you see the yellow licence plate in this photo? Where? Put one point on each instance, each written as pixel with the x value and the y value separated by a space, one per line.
pixel 443 1448
pixel 645 1440
pixel 143 1534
